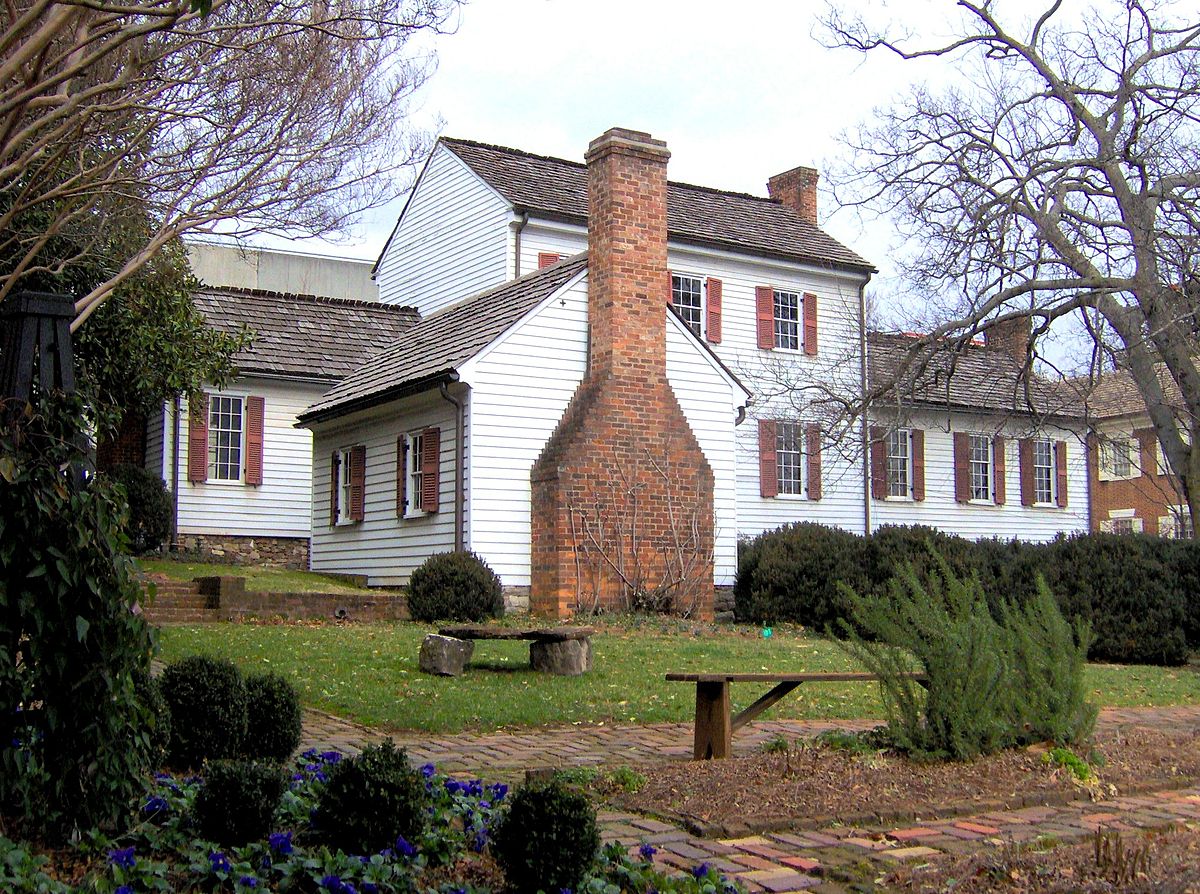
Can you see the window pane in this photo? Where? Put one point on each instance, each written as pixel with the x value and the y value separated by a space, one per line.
pixel 687 300
pixel 898 476
pixel 1043 472
pixel 415 478
pixel 224 438
pixel 981 467
pixel 787 320
pixel 789 457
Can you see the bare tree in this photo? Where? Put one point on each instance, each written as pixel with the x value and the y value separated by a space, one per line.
pixel 251 116
pixel 1061 182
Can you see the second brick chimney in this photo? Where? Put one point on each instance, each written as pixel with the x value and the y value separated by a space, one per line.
pixel 797 189
pixel 622 512
pixel 1012 337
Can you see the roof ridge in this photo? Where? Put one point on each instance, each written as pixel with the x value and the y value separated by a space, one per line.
pixel 304 296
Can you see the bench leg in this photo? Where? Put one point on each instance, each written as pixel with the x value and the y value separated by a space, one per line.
pixel 713 732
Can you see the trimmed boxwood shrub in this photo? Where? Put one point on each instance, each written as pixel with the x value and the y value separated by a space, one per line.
pixel 370 800
pixel 207 698
pixel 159 715
pixel 456 586
pixel 274 717
pixel 547 841
pixel 237 800
pixel 1184 558
pixel 149 522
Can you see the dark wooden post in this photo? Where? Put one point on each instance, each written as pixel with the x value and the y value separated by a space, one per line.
pixel 36 344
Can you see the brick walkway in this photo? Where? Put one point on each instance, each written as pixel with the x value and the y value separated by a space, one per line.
pixel 824 860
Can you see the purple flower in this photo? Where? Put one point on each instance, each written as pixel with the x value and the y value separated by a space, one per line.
pixel 370 888
pixel 427 770
pixel 404 849
pixel 124 889
pixel 280 843
pixel 700 871
pixel 331 757
pixel 249 881
pixel 647 851
pixel 219 862
pixel 499 790
pixel 155 805
pixel 332 883
pixel 124 858
pixel 479 841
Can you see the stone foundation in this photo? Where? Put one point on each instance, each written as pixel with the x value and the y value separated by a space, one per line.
pixel 275 552
pixel 234 602
pixel 516 600
pixel 723 604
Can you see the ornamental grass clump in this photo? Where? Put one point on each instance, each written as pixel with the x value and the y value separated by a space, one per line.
pixel 274 717
pixel 456 586
pixel 547 840
pixel 207 698
pixel 372 799
pixel 992 683
pixel 237 800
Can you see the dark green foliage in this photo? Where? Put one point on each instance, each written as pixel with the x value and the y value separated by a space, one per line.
pixel 273 730
pixel 70 642
pixel 991 684
pixel 547 841
pixel 207 698
pixel 158 719
pixel 792 574
pixel 455 586
pixel 370 800
pixel 237 800
pixel 149 501
pixel 1184 557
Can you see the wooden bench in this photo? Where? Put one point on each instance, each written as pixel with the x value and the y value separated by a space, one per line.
pixel 714 728
pixel 555 650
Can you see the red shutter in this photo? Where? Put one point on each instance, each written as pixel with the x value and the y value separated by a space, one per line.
pixel 810 324
pixel 198 438
pixel 334 468
pixel 768 466
pixel 255 416
pixel 547 259
pixel 918 469
pixel 764 304
pixel 358 482
pixel 1025 462
pixel 962 467
pixel 813 448
pixel 431 465
pixel 714 310
pixel 401 475
pixel 999 486
pixel 1060 470
pixel 878 450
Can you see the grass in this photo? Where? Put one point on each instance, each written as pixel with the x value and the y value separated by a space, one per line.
pixel 278 580
pixel 368 672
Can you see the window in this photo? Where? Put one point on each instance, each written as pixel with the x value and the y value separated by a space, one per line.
pixel 687 299
pixel 416 477
pixel 787 320
pixel 1121 525
pixel 1177 524
pixel 1118 458
pixel 345 486
pixel 899 463
pixel 981 467
pixel 789 457
pixel 1044 471
pixel 225 437
pixel 1121 521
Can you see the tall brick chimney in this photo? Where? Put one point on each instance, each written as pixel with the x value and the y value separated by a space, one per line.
pixel 622 508
pixel 1012 337
pixel 797 189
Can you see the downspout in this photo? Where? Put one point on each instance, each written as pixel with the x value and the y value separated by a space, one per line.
pixel 175 416
pixel 865 423
pixel 517 228
pixel 460 449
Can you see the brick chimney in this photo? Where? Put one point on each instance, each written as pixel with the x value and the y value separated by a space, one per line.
pixel 622 484
pixel 797 189
pixel 1012 337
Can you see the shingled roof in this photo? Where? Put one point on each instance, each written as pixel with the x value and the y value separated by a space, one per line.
pixel 1113 393
pixel 304 335
pixel 432 350
pixel 697 215
pixel 976 378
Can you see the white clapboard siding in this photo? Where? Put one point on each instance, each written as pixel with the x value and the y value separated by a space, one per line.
pixel 450 242
pixel 383 546
pixel 972 520
pixel 280 506
pixel 563 240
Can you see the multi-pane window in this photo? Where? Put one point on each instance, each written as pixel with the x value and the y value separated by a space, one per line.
pixel 899 463
pixel 416 476
pixel 1043 471
pixel 1178 524
pixel 1122 525
pixel 789 457
pixel 344 487
pixel 981 467
pixel 225 431
pixel 1120 458
pixel 687 298
pixel 787 320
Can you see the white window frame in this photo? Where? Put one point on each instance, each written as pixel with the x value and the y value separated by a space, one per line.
pixel 214 448
pixel 1121 521
pixel 898 457
pixel 1176 524
pixel 791 459
pixel 414 441
pixel 782 323
pixel 677 279
pixel 1047 496
pixel 344 487
pixel 1108 459
pixel 986 467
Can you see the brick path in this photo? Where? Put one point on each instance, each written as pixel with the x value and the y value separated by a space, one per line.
pixel 823 860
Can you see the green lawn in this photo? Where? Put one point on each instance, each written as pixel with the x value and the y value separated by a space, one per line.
pixel 368 672
pixel 277 580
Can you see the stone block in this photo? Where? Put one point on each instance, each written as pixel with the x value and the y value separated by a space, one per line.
pixel 444 655
pixel 568 658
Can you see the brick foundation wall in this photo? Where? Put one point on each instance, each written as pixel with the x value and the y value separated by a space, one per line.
pixel 276 552
pixel 622 482
pixel 126 447
pixel 1148 495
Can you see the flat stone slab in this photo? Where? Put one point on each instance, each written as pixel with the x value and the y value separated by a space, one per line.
pixel 537 634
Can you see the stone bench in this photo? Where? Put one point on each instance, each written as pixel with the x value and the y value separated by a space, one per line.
pixel 566 651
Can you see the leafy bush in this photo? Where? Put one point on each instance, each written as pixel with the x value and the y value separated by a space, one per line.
pixel 159 715
pixel 237 800
pixel 456 586
pixel 371 799
pixel 149 522
pixel 274 717
pixel 207 698
pixel 72 745
pixel 1183 556
pixel 547 841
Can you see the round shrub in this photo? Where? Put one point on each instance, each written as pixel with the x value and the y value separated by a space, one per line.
pixel 274 718
pixel 207 698
pixel 455 586
pixel 547 840
pixel 159 715
pixel 149 523
pixel 370 800
pixel 236 802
